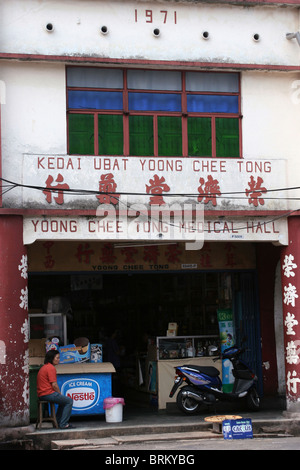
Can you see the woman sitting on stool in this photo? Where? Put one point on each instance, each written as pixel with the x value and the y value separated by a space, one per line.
pixel 48 389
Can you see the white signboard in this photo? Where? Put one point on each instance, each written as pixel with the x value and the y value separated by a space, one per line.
pixel 86 182
pixel 120 228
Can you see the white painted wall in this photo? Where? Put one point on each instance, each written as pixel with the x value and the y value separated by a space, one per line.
pixel 77 26
pixel 271 119
pixel 33 118
pixel 270 104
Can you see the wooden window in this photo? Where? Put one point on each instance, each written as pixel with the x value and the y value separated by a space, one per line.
pixel 110 134
pixel 81 134
pixel 141 135
pixel 153 113
pixel 199 137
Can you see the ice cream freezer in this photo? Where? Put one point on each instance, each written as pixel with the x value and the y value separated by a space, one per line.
pixel 88 384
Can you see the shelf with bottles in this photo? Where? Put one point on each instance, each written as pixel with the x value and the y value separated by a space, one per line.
pixel 179 347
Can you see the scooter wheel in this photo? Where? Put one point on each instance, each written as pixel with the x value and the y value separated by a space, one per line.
pixel 253 400
pixel 187 404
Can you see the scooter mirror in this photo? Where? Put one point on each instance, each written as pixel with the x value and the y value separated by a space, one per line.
pixel 212 349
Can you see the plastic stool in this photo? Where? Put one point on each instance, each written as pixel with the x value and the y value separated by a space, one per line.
pixel 51 418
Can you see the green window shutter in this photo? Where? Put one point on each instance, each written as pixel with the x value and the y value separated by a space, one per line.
pixel 199 137
pixel 227 137
pixel 141 135
pixel 81 134
pixel 110 131
pixel 169 136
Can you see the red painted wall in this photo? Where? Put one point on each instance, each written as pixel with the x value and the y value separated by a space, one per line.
pixel 14 354
pixel 290 278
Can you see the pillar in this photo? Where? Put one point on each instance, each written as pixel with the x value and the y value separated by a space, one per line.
pixel 267 259
pixel 290 275
pixel 14 334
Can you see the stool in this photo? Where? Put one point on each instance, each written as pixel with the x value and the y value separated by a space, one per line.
pixel 51 418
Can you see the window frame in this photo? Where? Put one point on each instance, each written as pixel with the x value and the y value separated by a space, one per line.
pixel 184 114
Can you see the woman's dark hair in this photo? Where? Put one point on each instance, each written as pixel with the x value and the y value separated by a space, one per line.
pixel 50 355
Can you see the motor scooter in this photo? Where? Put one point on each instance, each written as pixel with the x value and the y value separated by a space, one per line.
pixel 202 384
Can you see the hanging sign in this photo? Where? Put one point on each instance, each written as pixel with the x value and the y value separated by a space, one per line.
pixel 104 257
pixel 182 227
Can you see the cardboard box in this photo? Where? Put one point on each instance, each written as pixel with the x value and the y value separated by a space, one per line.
pixel 171 333
pixel 237 429
pixel 172 329
pixel 37 347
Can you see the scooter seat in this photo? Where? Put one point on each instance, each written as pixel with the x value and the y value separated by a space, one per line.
pixel 208 370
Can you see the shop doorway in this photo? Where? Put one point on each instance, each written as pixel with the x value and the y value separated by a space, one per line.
pixel 141 305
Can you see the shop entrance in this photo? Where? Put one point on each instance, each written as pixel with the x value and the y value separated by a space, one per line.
pixel 134 303
pixel 141 305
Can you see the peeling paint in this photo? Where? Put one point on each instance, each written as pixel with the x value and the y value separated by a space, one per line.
pixel 2 352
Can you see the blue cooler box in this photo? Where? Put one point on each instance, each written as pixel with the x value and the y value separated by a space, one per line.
pixel 87 384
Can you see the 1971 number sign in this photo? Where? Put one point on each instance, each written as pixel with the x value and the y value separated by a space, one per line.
pixel 148 15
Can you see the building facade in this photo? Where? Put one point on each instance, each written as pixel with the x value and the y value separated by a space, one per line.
pixel 153 138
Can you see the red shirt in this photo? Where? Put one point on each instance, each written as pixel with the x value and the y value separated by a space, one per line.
pixel 46 376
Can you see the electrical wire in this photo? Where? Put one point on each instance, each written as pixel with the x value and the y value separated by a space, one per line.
pixel 281 216
pixel 89 192
pixel 12 185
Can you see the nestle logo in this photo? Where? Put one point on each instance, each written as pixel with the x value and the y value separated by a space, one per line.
pixel 82 396
pixel 84 392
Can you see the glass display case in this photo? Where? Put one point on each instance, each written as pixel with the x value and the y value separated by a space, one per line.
pixel 46 325
pixel 178 347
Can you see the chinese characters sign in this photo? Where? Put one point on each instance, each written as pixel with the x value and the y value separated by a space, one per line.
pixel 51 256
pixel 81 182
pixel 291 301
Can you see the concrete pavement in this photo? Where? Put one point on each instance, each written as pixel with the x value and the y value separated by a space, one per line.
pixel 145 424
